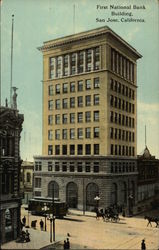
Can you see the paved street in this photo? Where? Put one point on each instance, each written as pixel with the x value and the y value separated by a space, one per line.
pixel 87 232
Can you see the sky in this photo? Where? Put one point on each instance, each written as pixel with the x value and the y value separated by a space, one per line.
pixel 36 21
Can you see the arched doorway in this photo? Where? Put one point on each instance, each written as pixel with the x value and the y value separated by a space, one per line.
pixel 53 189
pixel 114 194
pixel 72 195
pixel 92 190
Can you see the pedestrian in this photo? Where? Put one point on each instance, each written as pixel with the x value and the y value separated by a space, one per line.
pixel 143 245
pixel 24 220
pixel 41 225
pixel 68 244
pixel 64 245
pixel 27 236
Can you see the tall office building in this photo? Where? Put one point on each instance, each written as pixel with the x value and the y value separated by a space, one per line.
pixel 89 120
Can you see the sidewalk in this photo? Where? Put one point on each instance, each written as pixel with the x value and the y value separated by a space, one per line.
pixel 39 239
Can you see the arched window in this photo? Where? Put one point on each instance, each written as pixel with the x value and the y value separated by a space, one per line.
pixel 53 189
pixel 92 190
pixel 114 194
pixel 72 195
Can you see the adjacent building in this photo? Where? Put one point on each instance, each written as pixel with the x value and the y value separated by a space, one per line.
pixel 89 121
pixel 10 162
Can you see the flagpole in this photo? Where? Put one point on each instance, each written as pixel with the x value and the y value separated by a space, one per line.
pixel 11 77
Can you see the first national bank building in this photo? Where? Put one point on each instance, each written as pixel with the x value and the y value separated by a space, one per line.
pixel 89 120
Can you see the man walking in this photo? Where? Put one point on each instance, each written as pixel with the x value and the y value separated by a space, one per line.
pixel 41 225
pixel 24 220
pixel 143 245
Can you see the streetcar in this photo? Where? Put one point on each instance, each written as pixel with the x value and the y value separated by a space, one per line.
pixel 45 206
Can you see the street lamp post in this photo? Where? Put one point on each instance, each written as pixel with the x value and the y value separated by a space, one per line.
pixel 45 208
pixel 97 198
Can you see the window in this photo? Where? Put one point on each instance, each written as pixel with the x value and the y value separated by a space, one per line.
pixel 52 67
pixel 72 149
pixel 72 168
pixel 96 99
pixel 111 149
pixel 80 85
pixel 96 149
pixel 96 167
pixel 96 116
pixel 37 193
pixel 96 83
pixel 65 65
pixel 80 117
pixel 57 119
pixel 64 101
pixel 50 149
pixel 38 182
pixel 72 102
pixel 65 87
pixel 59 64
pixel 111 116
pixel 96 132
pixel 80 101
pixel 50 134
pixel 80 133
pixel 80 149
pixel 88 167
pixel 57 167
pixel 88 116
pixel 64 118
pixel 88 133
pixel 111 133
pixel 96 58
pixel 57 149
pixel 88 100
pixel 88 149
pixel 88 59
pixel 79 167
pixel 64 166
pixel 72 117
pixel 57 88
pixel 73 63
pixel 64 149
pixel 72 87
pixel 111 100
pixel 50 90
pixel 38 166
pixel 49 166
pixel 50 119
pixel 28 177
pixel 57 104
pixel 50 105
pixel 64 134
pixel 81 62
pixel 88 84
pixel 72 133
pixel 57 134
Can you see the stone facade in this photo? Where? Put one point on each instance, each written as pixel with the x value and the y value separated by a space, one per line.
pixel 89 120
pixel 10 202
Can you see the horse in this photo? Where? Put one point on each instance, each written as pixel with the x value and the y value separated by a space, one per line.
pixel 152 219
pixel 99 214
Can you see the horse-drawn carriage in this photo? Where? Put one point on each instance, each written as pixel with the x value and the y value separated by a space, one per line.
pixel 109 214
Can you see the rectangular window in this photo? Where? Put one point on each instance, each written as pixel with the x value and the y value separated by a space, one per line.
pixel 65 87
pixel 88 116
pixel 88 59
pixel 72 149
pixel 65 102
pixel 64 166
pixel 50 90
pixel 65 65
pixel 81 62
pixel 64 149
pixel 96 167
pixel 57 119
pixel 96 83
pixel 80 117
pixel 72 117
pixel 88 133
pixel 72 87
pixel 57 149
pixel 73 63
pixel 50 134
pixel 64 118
pixel 80 149
pixel 50 149
pixel 64 134
pixel 72 133
pixel 80 101
pixel 50 105
pixel 50 166
pixel 57 88
pixel 57 103
pixel 111 149
pixel 96 99
pixel 52 67
pixel 50 119
pixel 80 133
pixel 79 167
pixel 72 167
pixel 38 166
pixel 57 134
pixel 96 132
pixel 88 149
pixel 88 167
pixel 88 84
pixel 96 149
pixel 111 133
pixel 96 116
pixel 38 182
pixel 96 58
pixel 59 66
pixel 88 100
pixel 80 85
pixel 72 102
pixel 57 167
